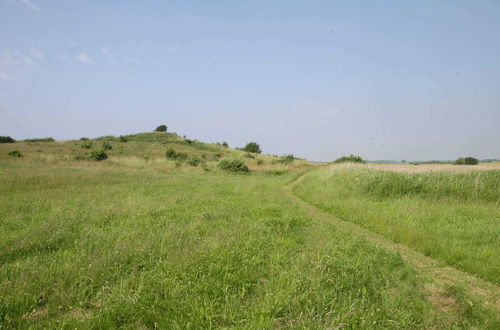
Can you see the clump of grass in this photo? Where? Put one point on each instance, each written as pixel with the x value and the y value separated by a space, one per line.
pixel 15 153
pixel 260 161
pixel 287 159
pixel 6 139
pixel 249 155
pixel 195 160
pixel 233 165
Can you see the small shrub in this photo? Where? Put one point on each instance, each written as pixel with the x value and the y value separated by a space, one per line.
pixel 161 128
pixel 459 161
pixel 174 155
pixel 98 155
pixel 195 160
pixel 106 146
pixel 252 147
pixel 260 161
pixel 225 145
pixel 84 139
pixel 122 139
pixel 86 145
pixel 6 139
pixel 349 159
pixel 233 165
pixel 15 153
pixel 47 139
pixel 287 159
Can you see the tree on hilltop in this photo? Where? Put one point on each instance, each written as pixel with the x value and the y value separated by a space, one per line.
pixel 161 128
pixel 252 147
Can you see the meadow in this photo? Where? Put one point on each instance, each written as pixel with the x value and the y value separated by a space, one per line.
pixel 142 241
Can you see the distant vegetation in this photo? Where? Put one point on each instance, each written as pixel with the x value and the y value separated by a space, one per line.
pixel 287 159
pixel 233 165
pixel 6 139
pixel 161 128
pixel 466 161
pixel 106 146
pixel 349 159
pixel 15 153
pixel 86 145
pixel 252 147
pixel 47 139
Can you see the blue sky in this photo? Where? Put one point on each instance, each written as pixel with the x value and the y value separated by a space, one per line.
pixel 319 79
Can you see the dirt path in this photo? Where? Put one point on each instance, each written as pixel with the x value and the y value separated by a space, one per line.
pixel 438 276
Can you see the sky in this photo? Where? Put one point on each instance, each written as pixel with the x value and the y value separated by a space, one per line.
pixel 412 80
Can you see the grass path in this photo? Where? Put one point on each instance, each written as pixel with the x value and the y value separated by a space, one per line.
pixel 438 276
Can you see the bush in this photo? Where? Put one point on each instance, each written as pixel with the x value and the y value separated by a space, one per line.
pixel 122 139
pixel 47 139
pixel 161 128
pixel 349 159
pixel 84 139
pixel 106 146
pixel 252 147
pixel 15 153
pixel 260 161
pixel 471 161
pixel 195 160
pixel 172 154
pixel 86 145
pixel 6 139
pixel 287 159
pixel 233 165
pixel 466 161
pixel 98 155
pixel 225 145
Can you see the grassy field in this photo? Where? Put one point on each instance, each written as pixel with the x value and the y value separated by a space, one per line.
pixel 139 241
pixel 453 217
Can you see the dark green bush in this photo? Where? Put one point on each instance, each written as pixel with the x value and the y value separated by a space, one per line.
pixel 15 153
pixel 225 145
pixel 98 155
pixel 233 165
pixel 161 128
pixel 106 146
pixel 86 145
pixel 349 159
pixel 252 147
pixel 195 160
pixel 84 139
pixel 174 155
pixel 287 159
pixel 6 139
pixel 123 139
pixel 47 139
pixel 471 161
pixel 459 161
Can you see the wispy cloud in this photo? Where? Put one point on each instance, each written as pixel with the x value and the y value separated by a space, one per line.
pixel 13 63
pixel 37 54
pixel 84 58
pixel 29 4
pixel 136 62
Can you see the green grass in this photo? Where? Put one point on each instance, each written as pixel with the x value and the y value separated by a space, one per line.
pixel 453 217
pixel 136 243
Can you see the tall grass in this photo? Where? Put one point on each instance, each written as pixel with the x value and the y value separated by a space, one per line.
pixel 448 216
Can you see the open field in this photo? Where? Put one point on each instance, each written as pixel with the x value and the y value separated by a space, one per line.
pixel 139 241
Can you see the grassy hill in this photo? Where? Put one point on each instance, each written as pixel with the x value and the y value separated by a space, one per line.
pixel 142 241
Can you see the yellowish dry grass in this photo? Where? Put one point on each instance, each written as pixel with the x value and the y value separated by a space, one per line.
pixel 410 168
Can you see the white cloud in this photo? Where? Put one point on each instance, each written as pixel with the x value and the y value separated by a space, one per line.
pixel 13 63
pixel 37 54
pixel 29 4
pixel 84 58
pixel 136 62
